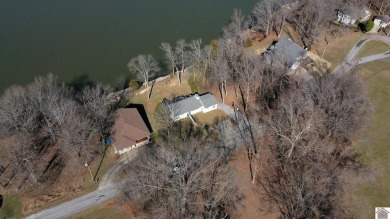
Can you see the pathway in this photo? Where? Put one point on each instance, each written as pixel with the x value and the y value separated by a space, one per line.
pixel 350 62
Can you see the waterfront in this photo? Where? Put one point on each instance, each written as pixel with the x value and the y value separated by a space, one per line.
pixel 71 38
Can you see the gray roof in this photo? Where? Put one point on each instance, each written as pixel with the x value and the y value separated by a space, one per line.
pixel 208 100
pixel 187 104
pixel 355 12
pixel 288 51
pixel 384 18
pixel 190 103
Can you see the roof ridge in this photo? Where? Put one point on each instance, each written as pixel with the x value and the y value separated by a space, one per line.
pixel 382 208
pixel 143 131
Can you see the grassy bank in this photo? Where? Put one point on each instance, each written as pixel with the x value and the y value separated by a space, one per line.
pixel 373 47
pixel 338 48
pixel 375 145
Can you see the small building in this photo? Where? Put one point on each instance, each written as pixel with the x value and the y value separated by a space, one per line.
pixel 350 14
pixel 382 21
pixel 382 213
pixel 130 130
pixel 183 107
pixel 286 52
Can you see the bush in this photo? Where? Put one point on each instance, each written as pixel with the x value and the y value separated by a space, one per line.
pixel 134 85
pixel 194 83
pixel 214 45
pixel 369 26
pixel 248 42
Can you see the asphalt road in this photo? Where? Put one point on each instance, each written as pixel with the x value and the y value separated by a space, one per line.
pixel 350 62
pixel 76 205
pixel 107 189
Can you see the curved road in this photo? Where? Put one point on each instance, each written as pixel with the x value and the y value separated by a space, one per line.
pixel 350 62
pixel 107 190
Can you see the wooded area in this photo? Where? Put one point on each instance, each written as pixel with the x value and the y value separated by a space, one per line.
pixel 297 132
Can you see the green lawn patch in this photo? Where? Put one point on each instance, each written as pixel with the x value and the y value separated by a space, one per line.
pixel 373 47
pixel 375 144
pixel 12 206
pixel 338 48
pixel 101 212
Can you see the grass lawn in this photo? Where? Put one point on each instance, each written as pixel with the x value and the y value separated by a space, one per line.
pixel 375 192
pixel 12 206
pixel 373 47
pixel 107 162
pixel 160 91
pixel 101 212
pixel 338 48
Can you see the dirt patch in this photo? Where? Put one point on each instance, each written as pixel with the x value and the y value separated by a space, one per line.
pixel 252 205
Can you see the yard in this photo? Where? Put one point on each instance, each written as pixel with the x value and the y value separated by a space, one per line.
pixel 12 206
pixel 373 47
pixel 105 210
pixel 338 48
pixel 164 89
pixel 375 190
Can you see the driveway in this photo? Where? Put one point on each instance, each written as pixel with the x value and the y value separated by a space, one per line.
pixel 76 205
pixel 108 189
pixel 108 178
pixel 350 62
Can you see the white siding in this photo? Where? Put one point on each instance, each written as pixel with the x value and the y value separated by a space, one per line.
pixel 131 147
pixel 211 108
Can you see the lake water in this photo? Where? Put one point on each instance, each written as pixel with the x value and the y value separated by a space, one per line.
pixel 98 37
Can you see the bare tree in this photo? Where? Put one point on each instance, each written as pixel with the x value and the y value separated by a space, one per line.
pixel 182 180
pixel 206 60
pixel 312 17
pixel 263 16
pixel 172 59
pixel 165 114
pixel 283 12
pixel 305 156
pixel 196 55
pixel 182 54
pixel 51 126
pixel 235 31
pixel 220 71
pixel 250 71
pixel 145 66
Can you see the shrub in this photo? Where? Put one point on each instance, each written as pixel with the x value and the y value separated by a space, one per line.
pixel 369 26
pixel 134 84
pixel 214 45
pixel 194 83
pixel 248 42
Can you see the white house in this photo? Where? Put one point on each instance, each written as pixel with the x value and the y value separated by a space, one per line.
pixel 382 21
pixel 349 15
pixel 192 104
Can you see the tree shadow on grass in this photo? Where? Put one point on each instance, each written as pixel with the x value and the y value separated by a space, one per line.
pixel 100 164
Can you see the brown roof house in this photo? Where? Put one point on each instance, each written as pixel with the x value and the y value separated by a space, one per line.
pixel 130 130
pixel 382 213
